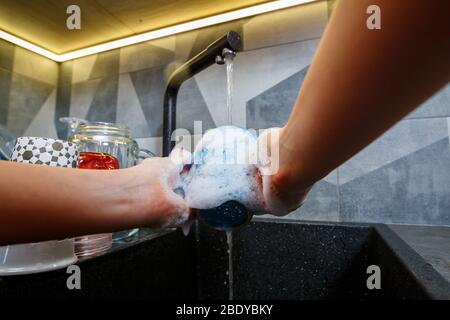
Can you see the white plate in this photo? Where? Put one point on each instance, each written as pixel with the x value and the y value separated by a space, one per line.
pixel 36 257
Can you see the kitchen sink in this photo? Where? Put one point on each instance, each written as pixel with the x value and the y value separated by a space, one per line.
pixel 314 261
pixel 271 259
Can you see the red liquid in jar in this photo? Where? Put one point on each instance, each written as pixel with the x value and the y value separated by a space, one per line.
pixel 97 161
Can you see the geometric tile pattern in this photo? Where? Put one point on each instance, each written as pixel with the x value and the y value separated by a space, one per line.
pixel 273 107
pixel 6 55
pixel 286 26
pixel 47 111
pixel 402 177
pixel 192 107
pixel 406 137
pixel 51 152
pixel 103 106
pixel 5 87
pixel 149 85
pixel 413 190
pixel 81 97
pixel 104 103
pixel 129 111
pixel 63 95
pixel 6 66
pixel 26 97
pixel 143 56
pixel 436 106
pixel 82 68
pixel 321 203
pixel 34 66
pixel 259 70
pixel 106 64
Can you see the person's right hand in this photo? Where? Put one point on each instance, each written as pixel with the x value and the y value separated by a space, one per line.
pixel 280 198
pixel 151 185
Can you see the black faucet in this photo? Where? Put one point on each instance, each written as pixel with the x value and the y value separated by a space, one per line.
pixel 214 53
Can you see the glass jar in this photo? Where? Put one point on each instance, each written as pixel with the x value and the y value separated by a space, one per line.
pixel 105 145
pixel 109 138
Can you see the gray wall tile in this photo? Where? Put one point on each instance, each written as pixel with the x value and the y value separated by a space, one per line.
pixel 65 73
pixel 5 85
pixel 81 97
pixel 255 72
pixel 150 85
pixel 106 64
pixel 404 138
pixel 258 70
pixel 129 111
pixel 82 68
pixel 62 109
pixel 103 106
pixel 402 177
pixel 142 56
pixel 436 106
pixel 6 55
pixel 63 96
pixel 412 190
pixel 183 45
pixel 273 107
pixel 321 203
pixel 27 96
pixel 295 24
pixel 42 124
pixel 34 66
pixel 192 107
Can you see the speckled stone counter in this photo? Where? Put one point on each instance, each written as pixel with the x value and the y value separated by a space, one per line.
pixel 146 267
pixel 271 259
pixel 431 242
pixel 285 259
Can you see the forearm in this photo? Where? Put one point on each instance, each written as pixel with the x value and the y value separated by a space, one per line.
pixel 362 81
pixel 42 203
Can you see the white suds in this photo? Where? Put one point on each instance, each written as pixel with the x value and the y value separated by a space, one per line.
pixel 223 169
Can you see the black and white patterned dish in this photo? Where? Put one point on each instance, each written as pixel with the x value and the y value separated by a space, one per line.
pixel 49 255
pixel 47 151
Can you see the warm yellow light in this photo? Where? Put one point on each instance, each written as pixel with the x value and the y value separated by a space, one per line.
pixel 28 45
pixel 151 35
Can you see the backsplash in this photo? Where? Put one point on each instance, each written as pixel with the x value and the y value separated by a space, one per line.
pixel 28 84
pixel 403 177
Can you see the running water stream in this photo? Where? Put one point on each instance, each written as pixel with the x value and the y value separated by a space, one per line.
pixel 230 263
pixel 229 64
pixel 229 234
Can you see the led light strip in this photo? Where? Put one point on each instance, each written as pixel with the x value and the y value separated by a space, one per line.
pixel 28 45
pixel 160 33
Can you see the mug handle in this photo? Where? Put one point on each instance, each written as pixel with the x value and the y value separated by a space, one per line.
pixel 145 153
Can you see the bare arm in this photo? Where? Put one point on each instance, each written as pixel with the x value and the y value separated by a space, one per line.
pixel 42 203
pixel 361 82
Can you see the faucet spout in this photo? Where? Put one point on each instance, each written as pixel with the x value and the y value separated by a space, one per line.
pixel 230 43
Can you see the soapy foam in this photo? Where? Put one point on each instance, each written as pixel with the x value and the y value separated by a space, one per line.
pixel 170 181
pixel 223 169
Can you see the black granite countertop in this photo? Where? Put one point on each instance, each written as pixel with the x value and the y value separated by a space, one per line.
pixel 430 242
pixel 157 264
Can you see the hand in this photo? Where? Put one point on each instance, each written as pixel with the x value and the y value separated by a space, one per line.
pixel 280 197
pixel 150 186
